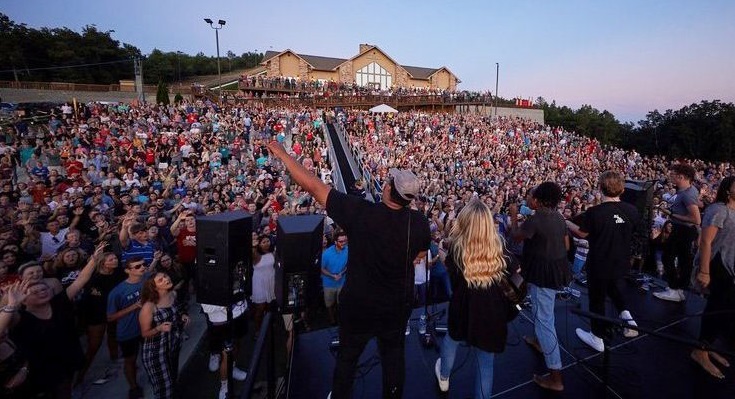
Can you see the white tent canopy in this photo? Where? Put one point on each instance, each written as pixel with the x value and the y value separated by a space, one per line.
pixel 383 109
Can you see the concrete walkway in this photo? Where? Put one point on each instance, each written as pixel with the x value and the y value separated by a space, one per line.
pixel 105 379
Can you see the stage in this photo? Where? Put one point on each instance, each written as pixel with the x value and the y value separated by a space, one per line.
pixel 642 367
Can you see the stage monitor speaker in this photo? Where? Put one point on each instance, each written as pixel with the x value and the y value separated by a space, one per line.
pixel 640 195
pixel 299 241
pixel 224 264
pixel 298 261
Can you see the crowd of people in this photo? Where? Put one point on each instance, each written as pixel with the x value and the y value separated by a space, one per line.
pixel 315 88
pixel 98 219
pixel 100 206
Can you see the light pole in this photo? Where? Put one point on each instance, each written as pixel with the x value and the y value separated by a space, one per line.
pixel 178 61
pixel 497 73
pixel 220 25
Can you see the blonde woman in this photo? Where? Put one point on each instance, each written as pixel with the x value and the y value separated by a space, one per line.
pixel 478 310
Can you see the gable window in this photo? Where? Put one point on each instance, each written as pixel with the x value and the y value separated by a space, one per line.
pixel 373 75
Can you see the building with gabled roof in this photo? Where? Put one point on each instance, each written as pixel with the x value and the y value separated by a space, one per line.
pixel 370 67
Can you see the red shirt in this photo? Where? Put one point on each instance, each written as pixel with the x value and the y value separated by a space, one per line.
pixel 150 156
pixel 186 244
pixel 73 168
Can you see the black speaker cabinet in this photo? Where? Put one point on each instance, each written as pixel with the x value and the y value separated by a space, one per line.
pixel 298 261
pixel 299 241
pixel 224 264
pixel 640 195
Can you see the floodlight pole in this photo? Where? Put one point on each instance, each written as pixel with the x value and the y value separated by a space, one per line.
pixel 220 25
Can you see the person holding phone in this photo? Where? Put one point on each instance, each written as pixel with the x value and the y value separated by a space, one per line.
pixel 161 325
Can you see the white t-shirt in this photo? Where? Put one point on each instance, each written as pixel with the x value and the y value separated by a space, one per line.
pixel 421 275
pixel 218 314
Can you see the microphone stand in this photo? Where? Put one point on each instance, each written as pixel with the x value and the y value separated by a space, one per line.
pixel 429 339
pixel 624 324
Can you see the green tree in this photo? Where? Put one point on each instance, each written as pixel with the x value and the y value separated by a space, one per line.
pixel 162 94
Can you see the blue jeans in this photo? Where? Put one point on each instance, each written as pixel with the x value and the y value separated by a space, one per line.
pixel 485 361
pixel 542 300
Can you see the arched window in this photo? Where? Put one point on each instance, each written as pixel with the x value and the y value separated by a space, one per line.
pixel 374 75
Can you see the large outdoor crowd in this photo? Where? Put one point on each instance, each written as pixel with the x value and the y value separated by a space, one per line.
pixel 460 155
pixel 326 88
pixel 118 184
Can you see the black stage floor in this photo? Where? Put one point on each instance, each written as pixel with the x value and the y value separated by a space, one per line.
pixel 642 367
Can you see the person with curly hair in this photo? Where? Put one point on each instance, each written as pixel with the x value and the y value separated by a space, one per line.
pixel 546 269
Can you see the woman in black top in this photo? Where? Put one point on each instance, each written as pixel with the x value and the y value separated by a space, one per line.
pixel 13 369
pixel 546 269
pixel 478 310
pixel 93 309
pixel 45 331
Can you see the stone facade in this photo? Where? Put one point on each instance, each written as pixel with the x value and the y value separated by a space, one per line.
pixel 288 63
pixel 402 78
pixel 303 70
pixel 274 66
pixel 345 73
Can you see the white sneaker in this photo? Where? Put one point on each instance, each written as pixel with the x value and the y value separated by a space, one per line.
pixel 238 374
pixel 443 382
pixel 670 295
pixel 627 332
pixel 590 339
pixel 408 329
pixel 214 360
pixel 223 390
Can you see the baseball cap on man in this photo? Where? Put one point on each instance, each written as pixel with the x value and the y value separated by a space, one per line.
pixel 406 183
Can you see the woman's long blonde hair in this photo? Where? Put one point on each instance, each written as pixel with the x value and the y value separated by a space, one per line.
pixel 477 246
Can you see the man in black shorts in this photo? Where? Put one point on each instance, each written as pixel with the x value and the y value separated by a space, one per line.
pixel 385 240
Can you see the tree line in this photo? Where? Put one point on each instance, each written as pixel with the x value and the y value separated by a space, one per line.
pixel 93 56
pixel 704 130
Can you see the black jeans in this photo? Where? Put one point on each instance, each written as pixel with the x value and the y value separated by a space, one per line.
pixel 678 257
pixel 391 346
pixel 718 319
pixel 599 289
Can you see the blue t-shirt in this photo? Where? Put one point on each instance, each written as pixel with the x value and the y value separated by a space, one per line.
pixel 122 296
pixel 135 248
pixel 335 262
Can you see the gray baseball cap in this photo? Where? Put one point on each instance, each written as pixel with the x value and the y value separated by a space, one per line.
pixel 406 183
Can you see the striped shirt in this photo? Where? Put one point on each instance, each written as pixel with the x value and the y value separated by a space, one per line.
pixel 138 249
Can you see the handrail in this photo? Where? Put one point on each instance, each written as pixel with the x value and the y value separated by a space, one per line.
pixel 265 330
pixel 337 180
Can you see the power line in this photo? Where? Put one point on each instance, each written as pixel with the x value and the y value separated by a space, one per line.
pixel 67 66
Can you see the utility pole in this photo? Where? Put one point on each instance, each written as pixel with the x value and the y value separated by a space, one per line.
pixel 497 73
pixel 139 79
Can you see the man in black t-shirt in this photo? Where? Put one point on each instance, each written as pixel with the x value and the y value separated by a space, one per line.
pixel 385 241
pixel 609 229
